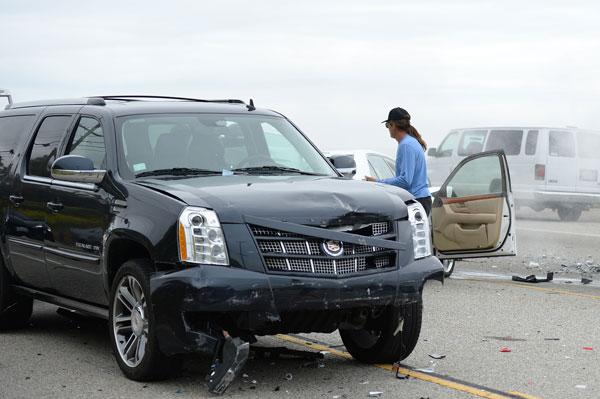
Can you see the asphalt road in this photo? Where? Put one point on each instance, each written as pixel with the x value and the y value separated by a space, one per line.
pixel 468 319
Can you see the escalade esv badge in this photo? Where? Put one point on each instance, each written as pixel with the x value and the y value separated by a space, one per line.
pixel 333 247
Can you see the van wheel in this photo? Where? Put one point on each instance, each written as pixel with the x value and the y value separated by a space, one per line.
pixel 133 335
pixel 385 339
pixel 15 310
pixel 567 214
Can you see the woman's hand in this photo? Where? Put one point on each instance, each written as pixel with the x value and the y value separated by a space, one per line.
pixel 370 178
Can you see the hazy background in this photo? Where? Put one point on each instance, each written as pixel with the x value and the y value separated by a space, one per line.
pixel 334 67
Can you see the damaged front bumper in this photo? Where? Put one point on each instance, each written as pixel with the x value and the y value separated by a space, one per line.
pixel 193 306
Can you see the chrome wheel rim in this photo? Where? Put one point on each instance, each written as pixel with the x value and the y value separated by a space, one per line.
pixel 448 265
pixel 130 321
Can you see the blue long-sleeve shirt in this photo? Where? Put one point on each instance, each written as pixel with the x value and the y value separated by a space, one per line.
pixel 411 168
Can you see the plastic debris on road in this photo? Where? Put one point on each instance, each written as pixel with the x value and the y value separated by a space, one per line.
pixel 375 394
pixel 289 377
pixel 533 279
pixel 588 348
pixel 436 356
pixel 504 349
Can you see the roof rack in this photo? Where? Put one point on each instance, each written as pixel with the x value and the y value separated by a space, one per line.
pixel 68 101
pixel 138 97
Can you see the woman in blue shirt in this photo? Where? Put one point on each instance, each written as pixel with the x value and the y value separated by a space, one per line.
pixel 411 167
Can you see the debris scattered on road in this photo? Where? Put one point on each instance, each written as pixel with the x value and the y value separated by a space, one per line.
pixel 504 349
pixel 588 348
pixel 533 279
pixel 585 280
pixel 551 339
pixel 581 386
pixel 436 356
pixel 430 369
pixel 399 375
pixel 375 394
pixel 364 382
pixel 289 377
pixel 508 338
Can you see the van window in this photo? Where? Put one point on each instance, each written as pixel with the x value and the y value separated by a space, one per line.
pixel 472 142
pixel 45 146
pixel 588 145
pixel 561 144
pixel 507 140
pixel 531 143
pixel 88 141
pixel 448 145
pixel 12 130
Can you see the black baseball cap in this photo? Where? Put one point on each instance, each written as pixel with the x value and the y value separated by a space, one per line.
pixel 397 114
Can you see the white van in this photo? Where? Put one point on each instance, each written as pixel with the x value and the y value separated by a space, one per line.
pixel 555 168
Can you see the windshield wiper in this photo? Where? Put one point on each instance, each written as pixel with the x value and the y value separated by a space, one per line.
pixel 180 172
pixel 274 168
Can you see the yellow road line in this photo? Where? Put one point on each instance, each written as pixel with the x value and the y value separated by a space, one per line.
pixel 457 386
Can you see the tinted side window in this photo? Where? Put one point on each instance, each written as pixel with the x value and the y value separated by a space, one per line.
pixel 472 142
pixel 45 146
pixel 562 144
pixel 88 141
pixel 381 168
pixel 507 140
pixel 531 143
pixel 13 129
pixel 448 145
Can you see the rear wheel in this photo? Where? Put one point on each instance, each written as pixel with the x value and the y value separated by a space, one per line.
pixel 567 214
pixel 388 338
pixel 132 325
pixel 15 310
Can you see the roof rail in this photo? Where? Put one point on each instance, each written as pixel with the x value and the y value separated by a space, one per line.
pixel 140 97
pixel 6 93
pixel 69 101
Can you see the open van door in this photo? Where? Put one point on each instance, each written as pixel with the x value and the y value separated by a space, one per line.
pixel 473 214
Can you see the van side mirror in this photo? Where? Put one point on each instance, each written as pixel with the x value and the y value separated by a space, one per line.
pixel 77 169
pixel 345 164
pixel 432 152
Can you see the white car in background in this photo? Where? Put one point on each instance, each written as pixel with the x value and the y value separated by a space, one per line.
pixel 356 164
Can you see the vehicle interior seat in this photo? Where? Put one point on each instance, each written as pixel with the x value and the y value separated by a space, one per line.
pixel 206 150
pixel 171 148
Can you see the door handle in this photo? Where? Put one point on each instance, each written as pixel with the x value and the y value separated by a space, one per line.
pixel 16 199
pixel 54 206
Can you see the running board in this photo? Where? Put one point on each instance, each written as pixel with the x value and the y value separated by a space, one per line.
pixel 71 304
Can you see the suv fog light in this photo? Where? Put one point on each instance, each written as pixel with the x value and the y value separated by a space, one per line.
pixel 201 238
pixel 420 230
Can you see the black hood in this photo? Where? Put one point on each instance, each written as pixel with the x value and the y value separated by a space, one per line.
pixel 309 200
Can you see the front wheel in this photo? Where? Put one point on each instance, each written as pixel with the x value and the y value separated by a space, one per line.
pixel 389 338
pixel 132 325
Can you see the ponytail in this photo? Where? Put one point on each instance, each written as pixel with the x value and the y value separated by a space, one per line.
pixel 405 126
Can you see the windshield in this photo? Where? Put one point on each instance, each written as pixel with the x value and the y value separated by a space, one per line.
pixel 203 143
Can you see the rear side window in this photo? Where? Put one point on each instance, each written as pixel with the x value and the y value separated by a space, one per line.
pixel 531 143
pixel 13 129
pixel 448 145
pixel 45 146
pixel 472 142
pixel 88 141
pixel 588 145
pixel 507 140
pixel 561 144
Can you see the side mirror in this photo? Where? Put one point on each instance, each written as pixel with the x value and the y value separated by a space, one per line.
pixel 345 164
pixel 432 152
pixel 75 168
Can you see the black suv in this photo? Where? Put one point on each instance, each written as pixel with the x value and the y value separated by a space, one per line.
pixel 195 225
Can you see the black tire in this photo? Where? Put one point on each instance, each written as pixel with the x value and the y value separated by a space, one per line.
pixel 449 266
pixel 15 310
pixel 376 343
pixel 154 365
pixel 567 214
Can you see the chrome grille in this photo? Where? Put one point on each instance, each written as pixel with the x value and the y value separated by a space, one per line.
pixel 293 253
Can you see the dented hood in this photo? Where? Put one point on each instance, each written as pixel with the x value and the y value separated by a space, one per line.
pixel 310 200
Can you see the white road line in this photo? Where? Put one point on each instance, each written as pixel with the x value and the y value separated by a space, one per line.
pixel 558 232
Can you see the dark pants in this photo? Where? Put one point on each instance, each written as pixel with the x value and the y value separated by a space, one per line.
pixel 426 202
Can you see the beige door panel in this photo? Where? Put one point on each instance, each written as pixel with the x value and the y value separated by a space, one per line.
pixel 469 225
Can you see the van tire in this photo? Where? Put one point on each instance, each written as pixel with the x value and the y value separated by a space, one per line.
pixel 15 310
pixel 567 214
pixel 378 344
pixel 153 365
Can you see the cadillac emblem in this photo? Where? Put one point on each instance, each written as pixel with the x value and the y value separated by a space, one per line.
pixel 333 247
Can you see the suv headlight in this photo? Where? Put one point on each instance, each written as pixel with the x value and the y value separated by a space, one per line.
pixel 420 230
pixel 201 238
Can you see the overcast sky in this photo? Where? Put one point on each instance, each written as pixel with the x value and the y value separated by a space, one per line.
pixel 334 67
